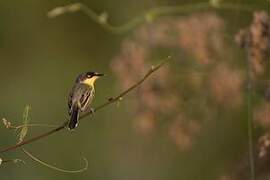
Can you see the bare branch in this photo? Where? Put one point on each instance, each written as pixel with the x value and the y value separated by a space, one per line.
pixel 110 101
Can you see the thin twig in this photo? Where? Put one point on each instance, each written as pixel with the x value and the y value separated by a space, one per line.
pixel 112 100
pixel 35 125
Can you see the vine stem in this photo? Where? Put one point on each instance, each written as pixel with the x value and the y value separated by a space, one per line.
pixel 147 16
pixel 110 101
pixel 34 158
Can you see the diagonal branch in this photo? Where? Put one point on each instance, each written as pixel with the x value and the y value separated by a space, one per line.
pixel 111 101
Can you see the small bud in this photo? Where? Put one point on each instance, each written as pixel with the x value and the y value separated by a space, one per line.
pixel 103 18
pixel 149 18
pixel 74 7
pixel 118 102
pixel 215 3
pixel 18 161
pixel 56 12
pixel 6 123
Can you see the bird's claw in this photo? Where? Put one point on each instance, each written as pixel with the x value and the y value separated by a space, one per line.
pixel 92 111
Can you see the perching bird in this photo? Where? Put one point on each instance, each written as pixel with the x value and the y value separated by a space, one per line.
pixel 81 96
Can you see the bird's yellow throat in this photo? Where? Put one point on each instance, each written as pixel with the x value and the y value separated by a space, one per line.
pixel 90 81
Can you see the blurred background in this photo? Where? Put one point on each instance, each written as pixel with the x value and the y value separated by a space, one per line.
pixel 189 120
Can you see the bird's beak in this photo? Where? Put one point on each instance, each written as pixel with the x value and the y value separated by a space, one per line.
pixel 99 74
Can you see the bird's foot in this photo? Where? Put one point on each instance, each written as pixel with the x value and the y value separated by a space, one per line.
pixel 92 111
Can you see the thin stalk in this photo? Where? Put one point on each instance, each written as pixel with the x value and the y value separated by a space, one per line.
pixel 250 121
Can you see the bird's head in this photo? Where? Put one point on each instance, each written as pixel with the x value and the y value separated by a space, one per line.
pixel 88 78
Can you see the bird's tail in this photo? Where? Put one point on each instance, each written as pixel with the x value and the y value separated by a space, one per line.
pixel 74 117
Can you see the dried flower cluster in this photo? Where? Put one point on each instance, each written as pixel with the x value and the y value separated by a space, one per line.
pixel 187 34
pixel 155 97
pixel 182 130
pixel 264 145
pixel 256 40
pixel 206 39
pixel 171 96
pixel 131 61
pixel 262 115
pixel 226 85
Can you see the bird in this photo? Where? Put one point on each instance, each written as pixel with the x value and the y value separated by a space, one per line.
pixel 81 96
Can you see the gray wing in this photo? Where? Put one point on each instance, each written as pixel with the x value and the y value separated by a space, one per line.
pixel 81 94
